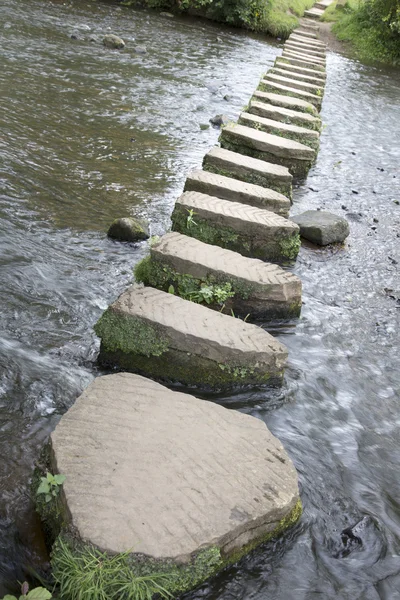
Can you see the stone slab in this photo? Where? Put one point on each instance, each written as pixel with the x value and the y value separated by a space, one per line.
pixel 322 227
pixel 308 137
pixel 252 170
pixel 299 76
pixel 160 335
pixel 309 42
pixel 312 34
pixel 285 102
pixel 293 83
pixel 297 157
pixel 261 290
pixel 228 188
pixel 278 88
pixel 290 66
pixel 315 60
pixel 301 62
pixel 164 475
pixel 278 113
pixel 314 13
pixel 299 47
pixel 251 231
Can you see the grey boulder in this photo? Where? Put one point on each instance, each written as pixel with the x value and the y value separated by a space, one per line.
pixel 219 120
pixel 128 229
pixel 322 227
pixel 113 41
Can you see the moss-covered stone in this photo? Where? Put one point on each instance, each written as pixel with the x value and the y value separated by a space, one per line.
pixel 128 229
pixel 311 142
pixel 290 247
pixel 265 87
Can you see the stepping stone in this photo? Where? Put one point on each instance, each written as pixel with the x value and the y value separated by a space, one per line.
pixel 322 227
pixel 285 102
pixel 185 486
pixel 314 13
pixel 311 23
pixel 237 191
pixel 277 113
pixel 315 60
pixel 289 66
pixel 299 62
pixel 272 87
pixel 258 290
pixel 294 75
pixel 251 231
pixel 307 32
pixel 308 137
pixel 252 170
pixel 323 4
pixel 306 41
pixel 160 335
pixel 298 47
pixel 293 83
pixel 297 157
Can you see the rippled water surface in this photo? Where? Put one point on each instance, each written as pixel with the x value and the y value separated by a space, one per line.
pixel 89 134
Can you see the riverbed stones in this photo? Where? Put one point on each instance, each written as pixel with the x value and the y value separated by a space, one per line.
pixel 322 227
pixel 160 335
pixel 228 188
pixel 184 485
pixel 293 83
pixel 128 229
pixel 284 115
pixel 250 231
pixel 257 290
pixel 289 66
pixel 288 90
pixel 113 41
pixel 252 170
pixel 285 102
pixel 309 137
pixel 297 157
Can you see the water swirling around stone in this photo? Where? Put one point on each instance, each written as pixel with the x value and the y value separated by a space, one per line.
pixel 88 134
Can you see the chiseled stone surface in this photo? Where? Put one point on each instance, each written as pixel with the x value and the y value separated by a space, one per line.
pixel 322 227
pixel 309 137
pixel 159 334
pixel 270 291
pixel 300 76
pixel 251 231
pixel 252 170
pixel 285 102
pixel 297 157
pixel 290 66
pixel 293 83
pixel 285 115
pixel 164 474
pixel 273 87
pixel 237 191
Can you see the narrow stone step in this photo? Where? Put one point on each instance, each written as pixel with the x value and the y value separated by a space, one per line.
pixel 310 42
pixel 311 23
pixel 277 88
pixel 297 157
pixel 163 336
pixel 294 75
pixel 182 484
pixel 323 5
pixel 306 32
pixel 308 137
pixel 286 115
pixel 228 188
pixel 314 13
pixel 304 56
pixel 248 286
pixel 294 83
pixel 252 170
pixel 298 62
pixel 285 102
pixel 289 66
pixel 299 47
pixel 251 231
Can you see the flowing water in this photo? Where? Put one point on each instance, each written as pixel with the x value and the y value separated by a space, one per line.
pixel 88 135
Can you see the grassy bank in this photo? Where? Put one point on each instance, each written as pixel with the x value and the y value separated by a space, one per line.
pixel 372 26
pixel 275 17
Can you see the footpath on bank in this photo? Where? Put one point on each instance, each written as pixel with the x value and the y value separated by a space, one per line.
pixel 165 487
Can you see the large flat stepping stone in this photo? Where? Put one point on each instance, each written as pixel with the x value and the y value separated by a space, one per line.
pixel 285 102
pixel 297 157
pixel 160 335
pixel 307 137
pixel 289 66
pixel 322 227
pixel 251 231
pixel 252 170
pixel 285 115
pixel 271 86
pixel 298 47
pixel 293 83
pixel 257 289
pixel 237 191
pixel 183 485
pixel 301 62
pixel 300 76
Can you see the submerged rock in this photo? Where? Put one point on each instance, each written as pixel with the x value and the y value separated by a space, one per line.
pixel 141 50
pixel 167 15
pixel 219 120
pixel 128 229
pixel 113 41
pixel 322 227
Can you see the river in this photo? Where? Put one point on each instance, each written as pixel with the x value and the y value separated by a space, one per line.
pixel 88 135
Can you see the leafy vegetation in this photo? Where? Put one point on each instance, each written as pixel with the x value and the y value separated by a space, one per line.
pixel 50 486
pixel 38 593
pixel 372 26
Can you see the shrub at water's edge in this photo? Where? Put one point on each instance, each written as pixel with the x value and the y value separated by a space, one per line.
pixel 372 26
pixel 277 17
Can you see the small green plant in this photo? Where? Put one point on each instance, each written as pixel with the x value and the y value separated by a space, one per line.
pixel 210 293
pixel 319 92
pixel 39 593
pixel 50 486
pixel 189 219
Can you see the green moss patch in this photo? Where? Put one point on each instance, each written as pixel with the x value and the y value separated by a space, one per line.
pixel 290 247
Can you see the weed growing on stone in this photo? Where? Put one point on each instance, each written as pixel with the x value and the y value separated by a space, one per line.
pixel 38 593
pixel 50 486
pixel 189 220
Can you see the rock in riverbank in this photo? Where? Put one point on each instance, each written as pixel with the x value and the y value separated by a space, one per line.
pixel 113 41
pixel 322 227
pixel 128 229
